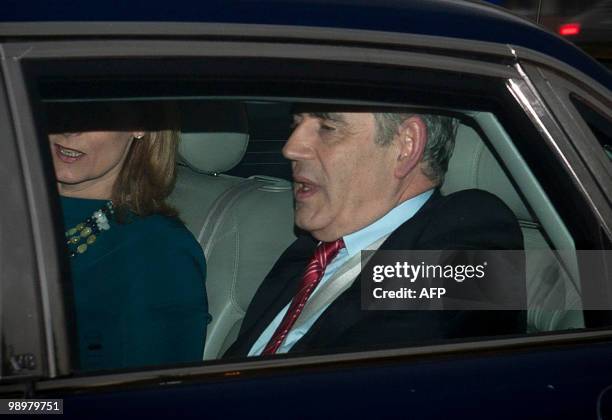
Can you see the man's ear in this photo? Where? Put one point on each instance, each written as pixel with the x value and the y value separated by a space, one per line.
pixel 411 145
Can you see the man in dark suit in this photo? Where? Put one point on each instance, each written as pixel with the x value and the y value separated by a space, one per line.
pixel 370 181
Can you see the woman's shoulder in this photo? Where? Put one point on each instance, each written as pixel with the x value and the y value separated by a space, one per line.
pixel 159 222
pixel 167 257
pixel 163 231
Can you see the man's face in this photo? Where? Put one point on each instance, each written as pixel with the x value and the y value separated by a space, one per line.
pixel 343 180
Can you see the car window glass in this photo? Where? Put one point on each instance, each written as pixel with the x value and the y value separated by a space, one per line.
pixel 235 195
pixel 600 126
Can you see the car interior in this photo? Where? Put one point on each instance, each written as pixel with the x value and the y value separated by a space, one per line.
pixel 234 193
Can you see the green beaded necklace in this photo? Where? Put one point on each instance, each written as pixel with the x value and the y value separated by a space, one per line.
pixel 83 235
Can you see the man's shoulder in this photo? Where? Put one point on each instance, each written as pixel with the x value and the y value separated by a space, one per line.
pixel 473 203
pixel 468 218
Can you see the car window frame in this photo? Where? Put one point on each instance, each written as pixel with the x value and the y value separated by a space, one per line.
pixel 556 89
pixel 584 106
pixel 33 51
pixel 29 275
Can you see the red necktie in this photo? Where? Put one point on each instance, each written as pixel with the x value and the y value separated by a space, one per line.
pixel 325 252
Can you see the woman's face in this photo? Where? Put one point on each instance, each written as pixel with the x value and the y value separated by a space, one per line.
pixel 87 164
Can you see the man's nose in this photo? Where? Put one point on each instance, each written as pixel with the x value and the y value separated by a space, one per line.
pixel 299 144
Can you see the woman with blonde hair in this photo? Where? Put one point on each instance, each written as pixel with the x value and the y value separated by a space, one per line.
pixel 137 272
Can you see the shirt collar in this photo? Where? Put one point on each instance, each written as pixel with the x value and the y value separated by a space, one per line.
pixel 359 240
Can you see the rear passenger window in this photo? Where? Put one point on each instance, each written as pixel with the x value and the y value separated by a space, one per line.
pixel 244 223
pixel 269 128
pixel 211 199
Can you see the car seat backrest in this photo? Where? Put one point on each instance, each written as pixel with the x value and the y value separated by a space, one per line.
pixel 214 137
pixel 252 234
pixel 243 225
pixel 549 286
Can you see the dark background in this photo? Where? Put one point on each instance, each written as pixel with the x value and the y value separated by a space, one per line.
pixel 593 16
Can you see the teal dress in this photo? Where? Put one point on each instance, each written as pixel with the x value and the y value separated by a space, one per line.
pixel 138 290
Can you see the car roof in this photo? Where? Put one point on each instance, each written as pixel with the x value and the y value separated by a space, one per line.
pixel 471 20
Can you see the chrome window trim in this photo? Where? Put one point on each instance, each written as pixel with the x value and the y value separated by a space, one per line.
pixel 528 56
pixel 257 32
pixel 532 103
pixel 183 30
pixel 19 51
pixel 220 369
pixel 556 90
pixel 260 32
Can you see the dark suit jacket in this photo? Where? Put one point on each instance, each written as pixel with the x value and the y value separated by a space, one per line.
pixel 470 219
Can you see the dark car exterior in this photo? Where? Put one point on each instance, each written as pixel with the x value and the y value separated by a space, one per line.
pixel 592 31
pixel 279 49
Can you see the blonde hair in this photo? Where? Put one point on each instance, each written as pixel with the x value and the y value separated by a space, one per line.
pixel 149 172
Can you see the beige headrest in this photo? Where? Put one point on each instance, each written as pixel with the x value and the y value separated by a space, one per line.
pixel 473 166
pixel 214 135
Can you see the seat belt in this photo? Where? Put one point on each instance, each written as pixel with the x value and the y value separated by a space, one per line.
pixel 341 280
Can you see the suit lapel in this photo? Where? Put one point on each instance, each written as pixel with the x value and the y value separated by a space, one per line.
pixel 282 282
pixel 346 311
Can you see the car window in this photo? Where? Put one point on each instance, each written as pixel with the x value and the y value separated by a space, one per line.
pixel 235 196
pixel 474 165
pixel 600 125
pixel 269 128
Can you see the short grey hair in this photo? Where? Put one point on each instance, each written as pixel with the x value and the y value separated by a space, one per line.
pixel 441 131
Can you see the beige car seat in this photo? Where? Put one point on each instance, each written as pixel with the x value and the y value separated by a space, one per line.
pixel 550 291
pixel 243 225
